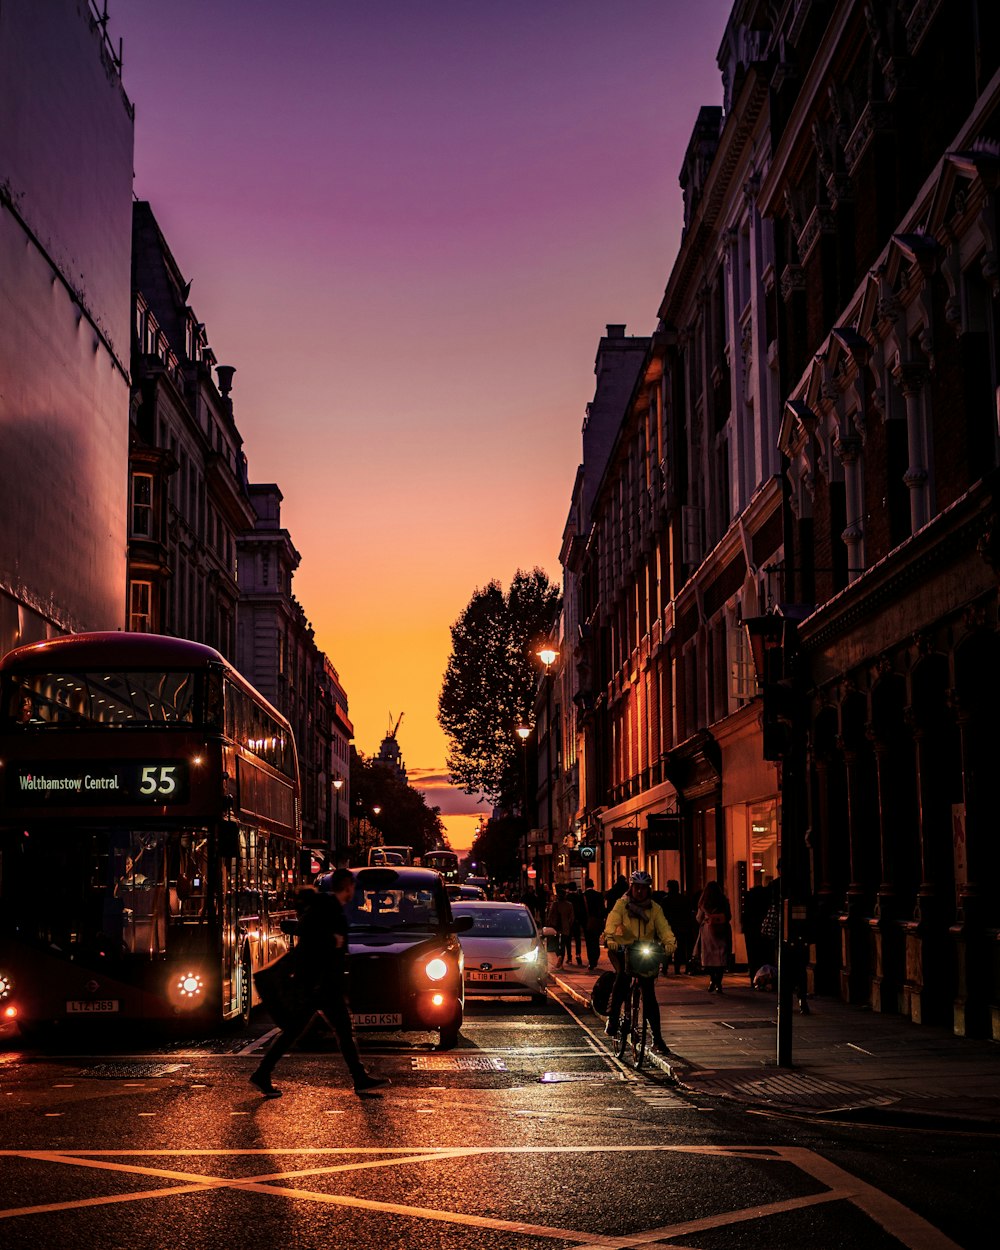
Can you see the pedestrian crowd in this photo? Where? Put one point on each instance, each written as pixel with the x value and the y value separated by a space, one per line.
pixel 700 928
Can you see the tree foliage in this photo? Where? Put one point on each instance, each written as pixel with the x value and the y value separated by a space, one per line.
pixel 404 818
pixel 490 680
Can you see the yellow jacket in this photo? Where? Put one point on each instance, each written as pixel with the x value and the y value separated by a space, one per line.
pixel 622 929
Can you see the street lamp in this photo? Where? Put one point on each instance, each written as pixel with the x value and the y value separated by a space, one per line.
pixel 548 656
pixel 338 785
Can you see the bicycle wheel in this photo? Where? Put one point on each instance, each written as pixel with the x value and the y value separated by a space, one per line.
pixel 624 1027
pixel 637 1016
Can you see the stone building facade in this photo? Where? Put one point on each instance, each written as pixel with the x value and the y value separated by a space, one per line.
pixel 812 443
pixel 66 143
pixel 277 652
pixel 188 494
pixel 208 558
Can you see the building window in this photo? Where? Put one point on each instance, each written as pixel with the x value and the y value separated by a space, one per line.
pixel 142 505
pixel 742 674
pixel 140 600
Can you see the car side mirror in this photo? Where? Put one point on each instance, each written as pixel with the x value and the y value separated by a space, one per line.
pixel 462 924
pixel 549 932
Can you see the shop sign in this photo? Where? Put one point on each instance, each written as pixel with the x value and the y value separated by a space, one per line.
pixel 625 840
pixel 663 832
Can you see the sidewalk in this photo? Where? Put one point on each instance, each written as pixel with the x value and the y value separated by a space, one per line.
pixel 848 1062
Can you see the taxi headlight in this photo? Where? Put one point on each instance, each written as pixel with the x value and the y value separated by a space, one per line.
pixel 436 968
pixel 6 986
pixel 529 957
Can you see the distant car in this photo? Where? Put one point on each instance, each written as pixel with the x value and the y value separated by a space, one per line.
pixel 468 892
pixel 406 963
pixel 504 949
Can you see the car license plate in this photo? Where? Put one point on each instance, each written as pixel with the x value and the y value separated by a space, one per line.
pixel 386 1018
pixel 487 976
pixel 75 1005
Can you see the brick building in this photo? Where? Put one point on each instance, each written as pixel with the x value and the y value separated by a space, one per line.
pixel 811 448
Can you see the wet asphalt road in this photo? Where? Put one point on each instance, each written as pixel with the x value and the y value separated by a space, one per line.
pixel 529 1134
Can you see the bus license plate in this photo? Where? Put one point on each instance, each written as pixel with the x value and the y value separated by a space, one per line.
pixel 387 1018
pixel 91 1004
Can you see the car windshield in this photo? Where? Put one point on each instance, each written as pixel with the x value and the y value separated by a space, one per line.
pixel 379 909
pixel 497 922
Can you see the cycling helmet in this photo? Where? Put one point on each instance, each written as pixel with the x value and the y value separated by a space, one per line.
pixel 640 878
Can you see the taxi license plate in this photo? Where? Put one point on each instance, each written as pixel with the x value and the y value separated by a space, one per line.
pixel 387 1018
pixel 75 1005
pixel 487 976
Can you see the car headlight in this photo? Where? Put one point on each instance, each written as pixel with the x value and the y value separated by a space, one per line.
pixel 436 968
pixel 529 957
pixel 6 986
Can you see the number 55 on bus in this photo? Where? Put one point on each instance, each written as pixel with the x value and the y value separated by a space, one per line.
pixel 150 840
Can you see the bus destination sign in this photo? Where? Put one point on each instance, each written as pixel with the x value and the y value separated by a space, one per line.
pixel 96 783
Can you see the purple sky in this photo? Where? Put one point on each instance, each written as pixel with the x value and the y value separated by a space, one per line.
pixel 407 225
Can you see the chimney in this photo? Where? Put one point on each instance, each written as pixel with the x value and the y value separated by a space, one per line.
pixel 615 332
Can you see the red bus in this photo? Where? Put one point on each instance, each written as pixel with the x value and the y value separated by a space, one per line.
pixel 150 833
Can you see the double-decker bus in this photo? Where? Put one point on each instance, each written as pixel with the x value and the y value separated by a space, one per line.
pixel 444 862
pixel 150 835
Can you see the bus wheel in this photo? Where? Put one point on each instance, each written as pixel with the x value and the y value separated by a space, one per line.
pixel 246 990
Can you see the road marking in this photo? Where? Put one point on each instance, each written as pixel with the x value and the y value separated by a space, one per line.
pixel 910 1229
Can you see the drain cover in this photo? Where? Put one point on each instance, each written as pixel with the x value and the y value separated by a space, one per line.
pixel 132 1071
pixel 457 1063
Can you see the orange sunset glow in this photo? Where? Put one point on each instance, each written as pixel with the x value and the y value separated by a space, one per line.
pixel 408 246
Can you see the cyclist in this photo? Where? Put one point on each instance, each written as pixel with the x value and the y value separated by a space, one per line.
pixel 636 918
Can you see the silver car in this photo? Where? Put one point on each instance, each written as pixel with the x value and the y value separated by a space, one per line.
pixel 505 951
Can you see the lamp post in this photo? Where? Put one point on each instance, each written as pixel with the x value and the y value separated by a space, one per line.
pixel 772 643
pixel 548 656
pixel 338 785
pixel 524 733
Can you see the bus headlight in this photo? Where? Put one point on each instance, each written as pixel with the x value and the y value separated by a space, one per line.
pixel 190 985
pixel 436 969
pixel 186 990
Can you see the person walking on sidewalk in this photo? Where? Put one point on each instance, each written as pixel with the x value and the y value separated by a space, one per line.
pixel 715 934
pixel 579 920
pixel 636 918
pixel 318 964
pixel 560 918
pixel 680 917
pixel 594 924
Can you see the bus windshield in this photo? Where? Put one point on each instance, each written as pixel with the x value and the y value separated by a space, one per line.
pixel 104 699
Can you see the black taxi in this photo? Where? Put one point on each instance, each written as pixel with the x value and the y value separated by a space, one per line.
pixel 405 967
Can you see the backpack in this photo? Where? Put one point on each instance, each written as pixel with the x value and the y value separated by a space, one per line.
pixel 600 995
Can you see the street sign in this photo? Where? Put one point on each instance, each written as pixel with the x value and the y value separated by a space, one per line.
pixel 588 853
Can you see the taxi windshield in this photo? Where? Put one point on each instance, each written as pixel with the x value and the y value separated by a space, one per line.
pixel 376 908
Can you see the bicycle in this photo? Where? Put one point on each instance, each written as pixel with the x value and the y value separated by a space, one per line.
pixel 642 959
